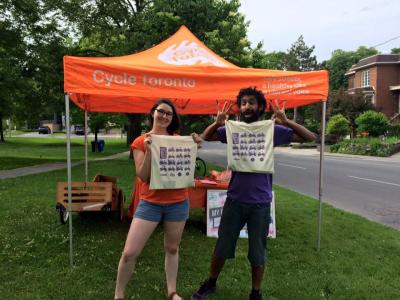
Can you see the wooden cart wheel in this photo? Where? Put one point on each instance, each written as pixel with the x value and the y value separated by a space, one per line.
pixel 121 201
pixel 64 214
pixel 106 208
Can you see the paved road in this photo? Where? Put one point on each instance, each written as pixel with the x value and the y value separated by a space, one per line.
pixel 366 186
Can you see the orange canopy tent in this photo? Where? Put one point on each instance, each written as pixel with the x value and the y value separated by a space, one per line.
pixel 183 69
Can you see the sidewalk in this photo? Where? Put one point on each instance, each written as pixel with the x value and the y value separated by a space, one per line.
pixel 315 152
pixel 51 167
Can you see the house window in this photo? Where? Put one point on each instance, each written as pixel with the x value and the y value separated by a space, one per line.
pixel 365 79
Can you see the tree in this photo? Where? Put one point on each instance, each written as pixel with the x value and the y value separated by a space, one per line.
pixel 338 125
pixel 97 121
pixel 395 51
pixel 341 61
pixel 312 117
pixel 31 52
pixel 12 56
pixel 194 123
pixel 275 60
pixel 375 123
pixel 350 106
pixel 219 24
pixel 48 29
pixel 125 27
pixel 300 58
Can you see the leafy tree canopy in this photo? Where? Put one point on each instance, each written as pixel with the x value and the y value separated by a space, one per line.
pixel 300 58
pixel 348 105
pixel 340 63
pixel 395 51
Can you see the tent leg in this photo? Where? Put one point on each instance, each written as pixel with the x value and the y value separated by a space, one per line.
pixel 86 147
pixel 68 131
pixel 321 161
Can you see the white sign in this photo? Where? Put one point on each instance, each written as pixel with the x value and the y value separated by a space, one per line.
pixel 215 204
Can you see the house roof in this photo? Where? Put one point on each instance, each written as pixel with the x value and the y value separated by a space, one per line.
pixel 379 59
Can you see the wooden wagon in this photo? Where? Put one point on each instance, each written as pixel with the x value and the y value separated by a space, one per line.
pixel 102 194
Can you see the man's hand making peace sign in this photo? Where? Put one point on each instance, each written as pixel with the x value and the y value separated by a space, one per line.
pixel 223 115
pixel 279 115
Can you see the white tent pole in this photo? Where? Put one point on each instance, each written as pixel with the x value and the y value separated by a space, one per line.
pixel 86 147
pixel 68 131
pixel 321 162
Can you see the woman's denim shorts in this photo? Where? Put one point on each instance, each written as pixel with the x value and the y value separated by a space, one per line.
pixel 174 212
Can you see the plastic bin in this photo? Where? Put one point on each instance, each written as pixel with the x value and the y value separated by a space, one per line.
pixel 100 145
pixel 93 146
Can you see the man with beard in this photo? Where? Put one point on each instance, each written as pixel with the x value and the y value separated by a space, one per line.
pixel 249 194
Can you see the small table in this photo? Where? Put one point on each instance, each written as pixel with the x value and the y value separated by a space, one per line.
pixel 197 194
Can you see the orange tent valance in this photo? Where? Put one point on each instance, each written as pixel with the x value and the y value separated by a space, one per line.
pixel 183 69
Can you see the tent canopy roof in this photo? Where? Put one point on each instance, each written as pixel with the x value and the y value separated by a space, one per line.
pixel 183 69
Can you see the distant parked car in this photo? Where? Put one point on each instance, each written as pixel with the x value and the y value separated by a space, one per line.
pixel 44 130
pixel 79 130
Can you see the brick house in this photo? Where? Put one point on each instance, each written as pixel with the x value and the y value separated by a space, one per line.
pixel 378 77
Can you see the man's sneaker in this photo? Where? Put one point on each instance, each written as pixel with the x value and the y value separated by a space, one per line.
pixel 255 295
pixel 205 289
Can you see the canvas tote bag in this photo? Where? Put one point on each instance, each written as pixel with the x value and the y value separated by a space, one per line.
pixel 173 160
pixel 250 146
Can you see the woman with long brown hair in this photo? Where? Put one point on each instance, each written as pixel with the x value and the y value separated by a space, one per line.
pixel 169 205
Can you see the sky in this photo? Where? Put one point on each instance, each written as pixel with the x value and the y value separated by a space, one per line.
pixel 326 24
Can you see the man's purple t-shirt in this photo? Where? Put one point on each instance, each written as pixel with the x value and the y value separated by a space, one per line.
pixel 254 188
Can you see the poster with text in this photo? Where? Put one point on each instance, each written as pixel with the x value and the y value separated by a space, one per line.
pixel 215 204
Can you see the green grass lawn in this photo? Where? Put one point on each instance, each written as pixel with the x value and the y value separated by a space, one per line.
pixel 21 152
pixel 359 259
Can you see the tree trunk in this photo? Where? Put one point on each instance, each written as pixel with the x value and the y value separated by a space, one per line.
pixel 134 129
pixel 1 127
pixel 96 145
pixel 353 132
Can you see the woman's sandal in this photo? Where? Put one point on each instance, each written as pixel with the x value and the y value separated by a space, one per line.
pixel 171 296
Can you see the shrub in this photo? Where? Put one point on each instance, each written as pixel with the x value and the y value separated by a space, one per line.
pixel 338 125
pixel 375 123
pixel 366 146
pixel 312 125
pixel 394 130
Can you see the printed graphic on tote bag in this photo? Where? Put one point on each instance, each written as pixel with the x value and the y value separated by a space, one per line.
pixel 250 146
pixel 172 162
pixel 163 152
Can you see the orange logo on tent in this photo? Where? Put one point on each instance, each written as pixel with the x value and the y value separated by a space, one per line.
pixel 188 53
